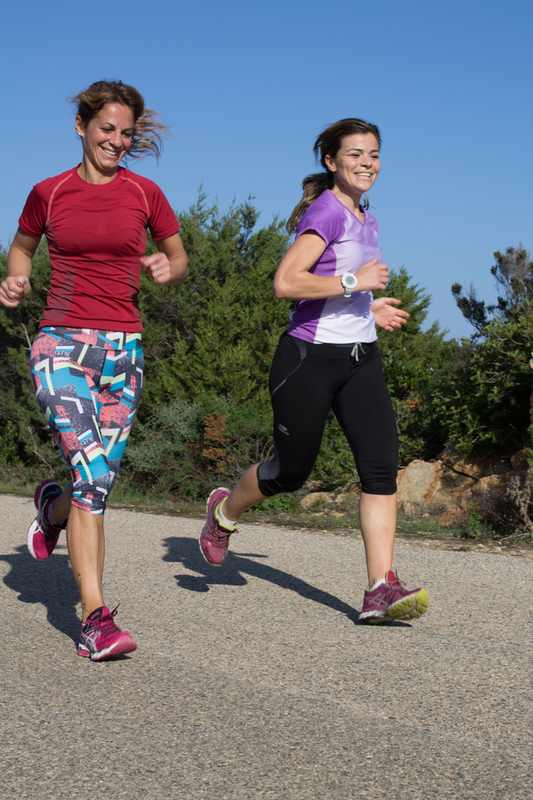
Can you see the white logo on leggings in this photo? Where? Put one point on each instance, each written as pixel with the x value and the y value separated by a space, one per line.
pixel 283 429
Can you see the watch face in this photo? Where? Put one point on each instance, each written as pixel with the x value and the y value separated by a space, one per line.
pixel 349 281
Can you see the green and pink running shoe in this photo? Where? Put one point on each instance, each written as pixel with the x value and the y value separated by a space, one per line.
pixel 214 539
pixel 101 639
pixel 391 600
pixel 43 533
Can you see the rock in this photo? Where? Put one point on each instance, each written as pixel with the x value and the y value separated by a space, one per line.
pixel 347 497
pixel 457 515
pixel 478 468
pixel 451 459
pixel 432 484
pixel 409 509
pixel 520 461
pixel 415 481
pixel 435 486
pixel 314 498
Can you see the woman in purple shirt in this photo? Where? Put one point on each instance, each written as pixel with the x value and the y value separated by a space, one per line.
pixel 329 358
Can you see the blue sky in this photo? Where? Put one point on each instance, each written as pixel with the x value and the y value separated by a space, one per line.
pixel 246 89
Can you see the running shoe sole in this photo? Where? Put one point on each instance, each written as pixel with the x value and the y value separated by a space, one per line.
pixel 114 650
pixel 410 607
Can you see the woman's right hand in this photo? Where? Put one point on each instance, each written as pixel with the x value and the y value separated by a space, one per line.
pixel 372 276
pixel 294 281
pixel 13 290
pixel 16 287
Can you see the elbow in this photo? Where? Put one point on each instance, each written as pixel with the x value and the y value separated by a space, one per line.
pixel 281 290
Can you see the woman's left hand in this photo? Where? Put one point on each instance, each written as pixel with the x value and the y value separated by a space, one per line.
pixel 158 266
pixel 386 314
pixel 170 264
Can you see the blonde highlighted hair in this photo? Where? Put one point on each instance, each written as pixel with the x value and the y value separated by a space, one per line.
pixel 328 143
pixel 149 130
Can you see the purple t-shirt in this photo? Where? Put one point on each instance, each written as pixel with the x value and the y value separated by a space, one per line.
pixel 349 245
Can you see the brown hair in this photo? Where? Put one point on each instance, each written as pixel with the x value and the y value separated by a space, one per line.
pixel 328 143
pixel 148 131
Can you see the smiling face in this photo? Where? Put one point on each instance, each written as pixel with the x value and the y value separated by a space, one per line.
pixel 106 140
pixel 356 165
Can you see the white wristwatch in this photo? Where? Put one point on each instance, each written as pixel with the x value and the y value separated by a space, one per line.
pixel 349 283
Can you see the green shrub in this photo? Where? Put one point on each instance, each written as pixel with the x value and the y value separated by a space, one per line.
pixel 186 449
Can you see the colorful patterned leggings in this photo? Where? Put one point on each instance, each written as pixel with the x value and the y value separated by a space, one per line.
pixel 88 385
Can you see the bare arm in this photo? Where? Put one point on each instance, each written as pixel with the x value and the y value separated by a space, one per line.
pixel 170 266
pixel 16 286
pixel 294 281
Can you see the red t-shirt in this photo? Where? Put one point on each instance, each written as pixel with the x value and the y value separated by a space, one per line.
pixel 96 235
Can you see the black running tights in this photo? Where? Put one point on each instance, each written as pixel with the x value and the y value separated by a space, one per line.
pixel 306 381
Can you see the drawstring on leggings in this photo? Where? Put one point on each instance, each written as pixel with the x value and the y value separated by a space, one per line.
pixel 355 352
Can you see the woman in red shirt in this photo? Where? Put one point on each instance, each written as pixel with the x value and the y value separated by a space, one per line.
pixel 87 360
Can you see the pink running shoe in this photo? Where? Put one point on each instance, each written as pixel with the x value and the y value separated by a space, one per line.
pixel 43 534
pixel 101 639
pixel 214 539
pixel 391 600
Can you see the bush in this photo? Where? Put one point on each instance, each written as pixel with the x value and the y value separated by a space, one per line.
pixel 412 362
pixel 217 332
pixel 485 402
pixel 184 450
pixel 507 511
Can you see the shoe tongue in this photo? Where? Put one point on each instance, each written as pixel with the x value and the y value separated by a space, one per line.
pixel 390 576
pixel 98 613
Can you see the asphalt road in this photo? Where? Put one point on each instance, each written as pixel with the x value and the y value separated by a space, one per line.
pixel 256 680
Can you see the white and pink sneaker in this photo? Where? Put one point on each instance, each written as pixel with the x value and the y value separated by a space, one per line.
pixel 43 534
pixel 101 639
pixel 391 600
pixel 214 539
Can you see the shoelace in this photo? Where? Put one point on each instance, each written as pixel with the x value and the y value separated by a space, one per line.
pixel 220 535
pixel 106 624
pixel 50 531
pixel 397 586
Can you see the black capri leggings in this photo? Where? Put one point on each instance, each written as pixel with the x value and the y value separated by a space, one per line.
pixel 306 381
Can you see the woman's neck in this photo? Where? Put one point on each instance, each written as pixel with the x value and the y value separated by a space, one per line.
pixel 351 201
pixel 90 174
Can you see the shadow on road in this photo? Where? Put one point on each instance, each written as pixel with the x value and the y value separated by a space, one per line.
pixel 232 573
pixel 47 582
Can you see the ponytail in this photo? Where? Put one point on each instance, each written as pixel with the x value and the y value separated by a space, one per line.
pixel 313 187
